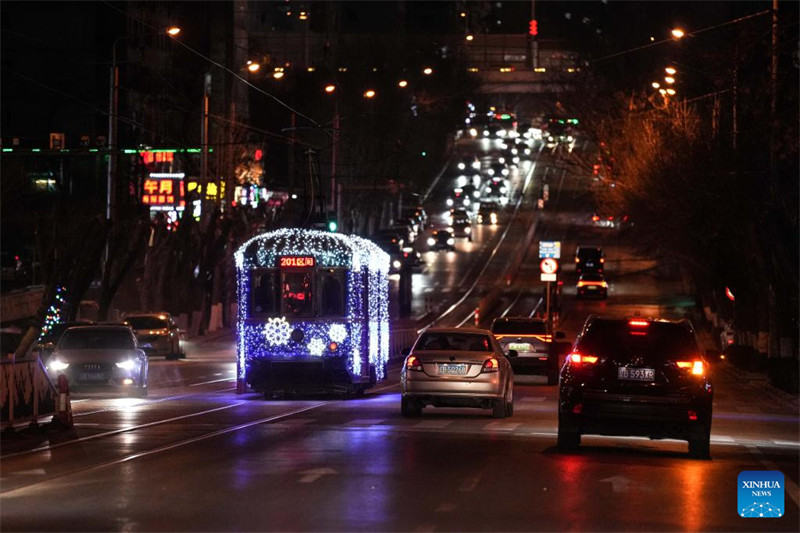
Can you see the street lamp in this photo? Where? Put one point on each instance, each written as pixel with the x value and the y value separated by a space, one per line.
pixel 427 71
pixel 402 83
pixel 252 66
pixel 677 33
pixel 669 79
pixel 330 88
pixel 656 85
pixel 369 93
pixel 670 70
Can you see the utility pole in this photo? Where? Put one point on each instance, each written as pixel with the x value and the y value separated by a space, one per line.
pixel 334 148
pixel 534 39
pixel 204 137
pixel 773 89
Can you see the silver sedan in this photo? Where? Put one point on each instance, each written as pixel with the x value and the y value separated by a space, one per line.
pixel 100 357
pixel 457 367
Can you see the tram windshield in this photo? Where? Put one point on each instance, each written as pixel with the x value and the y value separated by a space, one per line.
pixel 296 293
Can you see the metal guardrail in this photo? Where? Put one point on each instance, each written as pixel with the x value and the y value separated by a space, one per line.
pixel 26 392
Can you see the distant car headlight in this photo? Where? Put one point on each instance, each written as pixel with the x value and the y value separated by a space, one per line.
pixel 490 171
pixel 451 241
pixel 502 159
pixel 396 264
pixel 493 218
pixel 461 166
pixel 476 194
pixel 480 219
pixel 476 165
pixel 57 366
pixel 502 133
pixel 485 133
pixel 431 241
pixel 130 364
pixel 505 172
pixel 503 190
pixel 514 151
pixel 466 201
pixel 570 138
pixel 473 132
pixel 449 201
pixel 467 230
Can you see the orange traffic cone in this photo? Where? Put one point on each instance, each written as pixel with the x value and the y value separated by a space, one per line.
pixel 64 408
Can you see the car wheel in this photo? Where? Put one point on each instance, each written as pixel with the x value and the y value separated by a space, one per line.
pixel 499 408
pixel 568 440
pixel 410 407
pixel 141 390
pixel 509 409
pixel 700 448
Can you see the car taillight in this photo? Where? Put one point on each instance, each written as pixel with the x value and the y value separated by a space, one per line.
pixel 698 368
pixel 491 365
pixel 413 363
pixel 638 323
pixel 578 358
pixel 602 260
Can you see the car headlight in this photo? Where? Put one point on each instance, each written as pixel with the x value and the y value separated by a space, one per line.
pixel 473 132
pixel 451 241
pixel 396 264
pixel 501 133
pixel 480 219
pixel 503 190
pixel 490 171
pixel 130 364
pixel 431 241
pixel 505 172
pixel 56 366
pixel 502 159
pixel 485 133
pixel 466 201
pixel 461 166
pixel 449 201
pixel 476 165
pixel 476 194
pixel 467 230
pixel 494 218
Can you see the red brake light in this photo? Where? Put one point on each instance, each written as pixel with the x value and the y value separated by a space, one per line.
pixel 578 358
pixel 595 218
pixel 413 363
pixel 638 323
pixel 491 365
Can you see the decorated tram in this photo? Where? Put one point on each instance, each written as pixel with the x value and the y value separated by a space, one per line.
pixel 313 313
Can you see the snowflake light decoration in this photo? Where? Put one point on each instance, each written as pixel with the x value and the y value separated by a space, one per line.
pixel 316 346
pixel 337 333
pixel 277 331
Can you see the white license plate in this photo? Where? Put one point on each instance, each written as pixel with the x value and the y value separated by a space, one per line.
pixel 452 369
pixel 592 287
pixel 636 374
pixel 520 346
pixel 93 376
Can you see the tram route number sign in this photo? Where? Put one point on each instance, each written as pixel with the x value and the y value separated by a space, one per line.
pixel 549 269
pixel 550 249
pixel 296 261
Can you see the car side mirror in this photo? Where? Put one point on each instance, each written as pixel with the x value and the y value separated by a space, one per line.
pixel 560 335
pixel 511 354
pixel 405 352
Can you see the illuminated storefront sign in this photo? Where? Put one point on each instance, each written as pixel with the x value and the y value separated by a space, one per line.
pixel 164 191
pixel 296 261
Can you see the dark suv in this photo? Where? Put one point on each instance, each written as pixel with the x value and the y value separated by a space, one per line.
pixel 589 259
pixel 535 349
pixel 636 376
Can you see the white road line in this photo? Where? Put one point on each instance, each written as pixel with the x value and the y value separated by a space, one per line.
pixel 366 422
pixel 433 424
pixel 722 438
pixel 787 443
pixel 212 381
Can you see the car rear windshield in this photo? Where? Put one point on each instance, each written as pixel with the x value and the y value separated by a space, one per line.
pixel 146 322
pixel 589 253
pixel 521 327
pixel 469 342
pixel 655 343
pixel 96 339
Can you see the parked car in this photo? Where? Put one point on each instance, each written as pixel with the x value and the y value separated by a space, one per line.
pixel 636 376
pixel 100 357
pixel 592 284
pixel 589 259
pixel 442 239
pixel 156 333
pixel 528 336
pixel 457 367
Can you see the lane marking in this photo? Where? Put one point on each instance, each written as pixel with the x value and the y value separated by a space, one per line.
pixel 502 426
pixel 212 381
pixel 433 424
pixel 366 422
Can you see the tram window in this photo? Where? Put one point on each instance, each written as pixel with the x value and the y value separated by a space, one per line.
pixel 296 293
pixel 331 294
pixel 264 293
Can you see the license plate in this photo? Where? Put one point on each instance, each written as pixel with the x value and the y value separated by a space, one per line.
pixel 520 346
pixel 93 376
pixel 592 287
pixel 589 263
pixel 452 369
pixel 636 374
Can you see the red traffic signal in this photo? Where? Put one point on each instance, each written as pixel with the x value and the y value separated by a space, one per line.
pixel 533 28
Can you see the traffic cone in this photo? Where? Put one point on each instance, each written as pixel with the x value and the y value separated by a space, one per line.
pixel 64 408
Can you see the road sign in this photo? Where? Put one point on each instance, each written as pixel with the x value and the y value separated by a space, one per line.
pixel 550 249
pixel 549 266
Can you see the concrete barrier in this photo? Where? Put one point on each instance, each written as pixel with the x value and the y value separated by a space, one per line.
pixel 26 392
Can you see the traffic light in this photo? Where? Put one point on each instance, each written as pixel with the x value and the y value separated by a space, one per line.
pixel 533 29
pixel 332 225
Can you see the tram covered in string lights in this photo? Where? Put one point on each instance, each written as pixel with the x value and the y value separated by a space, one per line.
pixel 313 313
